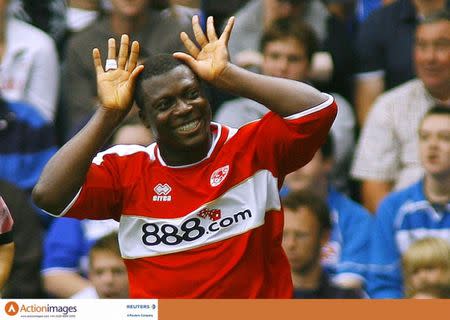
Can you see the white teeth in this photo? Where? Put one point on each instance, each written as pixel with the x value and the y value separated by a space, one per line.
pixel 189 126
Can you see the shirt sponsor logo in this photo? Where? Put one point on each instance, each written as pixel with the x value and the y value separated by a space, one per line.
pixel 219 175
pixel 162 192
pixel 212 214
pixel 192 229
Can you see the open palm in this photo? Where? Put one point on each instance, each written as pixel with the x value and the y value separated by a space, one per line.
pixel 115 87
pixel 211 59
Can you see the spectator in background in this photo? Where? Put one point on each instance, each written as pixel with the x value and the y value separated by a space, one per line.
pixel 107 271
pixel 288 47
pixel 6 243
pixel 155 32
pixel 24 280
pixel 66 248
pixel 183 11
pixel 419 211
pixel 338 48
pixel 307 229
pixel 365 7
pixel 29 67
pixel 386 157
pixel 132 131
pixel 384 47
pixel 27 142
pixel 47 15
pixel 82 13
pixel 256 15
pixel 426 263
pixel 432 291
pixel 220 10
pixel 346 254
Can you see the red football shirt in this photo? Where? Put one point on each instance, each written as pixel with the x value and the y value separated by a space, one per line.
pixel 212 229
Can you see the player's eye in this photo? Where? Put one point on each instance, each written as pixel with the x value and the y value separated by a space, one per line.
pixel 192 94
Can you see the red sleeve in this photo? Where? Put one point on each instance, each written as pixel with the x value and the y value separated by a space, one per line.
pixel 290 143
pixel 110 173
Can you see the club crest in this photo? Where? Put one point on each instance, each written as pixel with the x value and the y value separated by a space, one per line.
pixel 219 175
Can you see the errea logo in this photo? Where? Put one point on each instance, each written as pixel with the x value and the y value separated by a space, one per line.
pixel 162 192
pixel 219 175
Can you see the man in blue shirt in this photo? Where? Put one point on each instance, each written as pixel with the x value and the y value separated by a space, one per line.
pixel 418 211
pixel 66 248
pixel 345 256
pixel 306 231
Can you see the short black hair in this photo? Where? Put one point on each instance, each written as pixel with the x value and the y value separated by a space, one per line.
pixel 305 198
pixel 291 28
pixel 154 65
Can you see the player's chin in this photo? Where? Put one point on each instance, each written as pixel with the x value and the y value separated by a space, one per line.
pixel 193 142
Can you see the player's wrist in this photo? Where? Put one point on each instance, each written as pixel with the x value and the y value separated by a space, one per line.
pixel 110 115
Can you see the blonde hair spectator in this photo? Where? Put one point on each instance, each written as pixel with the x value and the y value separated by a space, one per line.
pixel 426 263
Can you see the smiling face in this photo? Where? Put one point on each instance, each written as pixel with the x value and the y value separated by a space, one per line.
pixel 178 112
pixel 432 56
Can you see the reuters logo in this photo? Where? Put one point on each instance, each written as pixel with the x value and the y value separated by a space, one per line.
pixel 11 308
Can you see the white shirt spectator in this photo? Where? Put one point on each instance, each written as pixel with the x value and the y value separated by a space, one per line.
pixel 387 149
pixel 29 69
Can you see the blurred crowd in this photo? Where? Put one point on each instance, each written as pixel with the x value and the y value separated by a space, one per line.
pixel 368 217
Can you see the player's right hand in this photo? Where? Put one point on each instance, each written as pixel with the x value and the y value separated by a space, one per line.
pixel 115 87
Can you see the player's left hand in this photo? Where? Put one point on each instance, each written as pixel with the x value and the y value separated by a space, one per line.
pixel 211 59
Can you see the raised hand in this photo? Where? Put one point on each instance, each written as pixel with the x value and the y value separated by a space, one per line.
pixel 115 86
pixel 211 59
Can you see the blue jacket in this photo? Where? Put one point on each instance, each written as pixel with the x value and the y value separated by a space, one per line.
pixel 347 252
pixel 27 142
pixel 350 236
pixel 68 241
pixel 402 218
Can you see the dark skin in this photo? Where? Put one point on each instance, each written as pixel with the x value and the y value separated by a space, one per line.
pixel 179 114
pixel 65 173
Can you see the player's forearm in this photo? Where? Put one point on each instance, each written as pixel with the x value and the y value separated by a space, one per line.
pixel 283 96
pixel 66 171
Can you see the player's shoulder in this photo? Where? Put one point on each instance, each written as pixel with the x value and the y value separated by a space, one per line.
pixel 126 152
pixel 405 200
